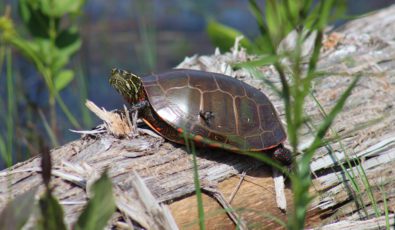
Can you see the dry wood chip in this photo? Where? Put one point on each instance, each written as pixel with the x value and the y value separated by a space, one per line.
pixel 117 124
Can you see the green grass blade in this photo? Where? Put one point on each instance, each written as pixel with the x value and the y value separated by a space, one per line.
pixel 2 56
pixel 368 188
pixel 83 96
pixel 17 211
pixel 224 37
pixel 264 41
pixel 51 135
pixel 313 60
pixel 259 62
pixel 191 149
pixel 259 75
pixel 258 15
pixel 196 181
pixel 274 21
pixel 386 208
pixel 10 108
pixel 147 33
pixel 51 213
pixel 3 151
pixel 99 208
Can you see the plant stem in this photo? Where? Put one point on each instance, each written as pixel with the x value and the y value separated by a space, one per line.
pixel 52 101
pixel 10 109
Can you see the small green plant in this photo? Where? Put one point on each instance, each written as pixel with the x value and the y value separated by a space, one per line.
pixel 51 41
pixel 17 212
pixel 6 144
pixel 190 146
pixel 48 37
pixel 147 32
pixel 308 19
pixel 95 215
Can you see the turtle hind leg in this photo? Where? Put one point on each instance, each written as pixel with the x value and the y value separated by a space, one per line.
pixel 282 155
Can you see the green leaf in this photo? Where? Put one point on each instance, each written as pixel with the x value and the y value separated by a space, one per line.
pixel 35 21
pixel 58 8
pixel 259 62
pixel 293 9
pixel 68 42
pixel 68 38
pixel 224 36
pixel 18 210
pixel 51 213
pixel 99 208
pixel 257 13
pixel 56 57
pixel 273 19
pixel 63 79
pixel 263 42
pixel 60 61
pixel 45 50
pixel 278 22
pixel 340 10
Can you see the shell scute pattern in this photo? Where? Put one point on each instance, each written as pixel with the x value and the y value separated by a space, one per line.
pixel 238 114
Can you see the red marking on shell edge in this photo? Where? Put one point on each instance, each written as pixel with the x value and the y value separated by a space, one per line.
pixel 198 138
pixel 270 147
pixel 215 145
pixel 180 130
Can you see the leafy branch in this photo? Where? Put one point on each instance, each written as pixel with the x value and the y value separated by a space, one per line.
pixel 49 45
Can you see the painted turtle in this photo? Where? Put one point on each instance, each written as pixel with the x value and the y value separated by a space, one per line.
pixel 211 109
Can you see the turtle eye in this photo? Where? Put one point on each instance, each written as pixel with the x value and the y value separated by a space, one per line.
pixel 124 73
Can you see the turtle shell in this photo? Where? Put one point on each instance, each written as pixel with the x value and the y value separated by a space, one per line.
pixel 216 107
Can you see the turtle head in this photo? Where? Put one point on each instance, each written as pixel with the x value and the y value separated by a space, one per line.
pixel 283 155
pixel 127 84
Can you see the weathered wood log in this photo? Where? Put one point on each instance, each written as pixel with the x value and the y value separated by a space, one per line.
pixel 366 131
